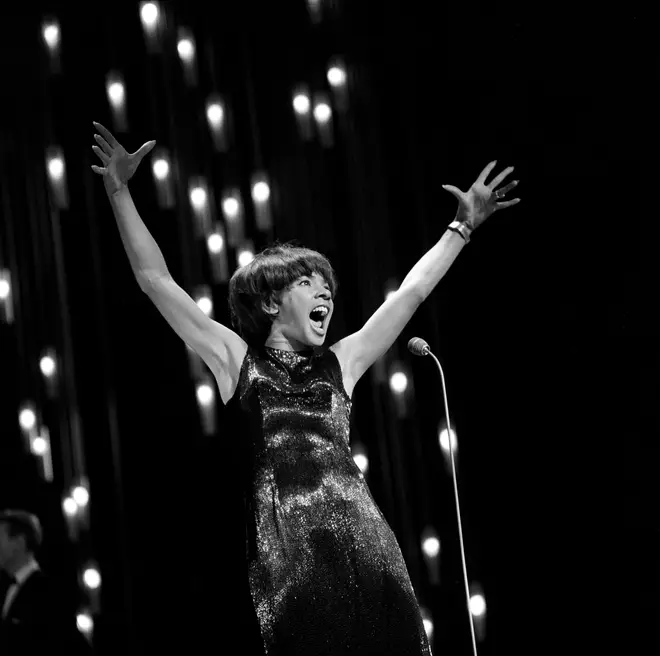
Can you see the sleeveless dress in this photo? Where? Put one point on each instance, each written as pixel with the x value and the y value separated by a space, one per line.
pixel 326 574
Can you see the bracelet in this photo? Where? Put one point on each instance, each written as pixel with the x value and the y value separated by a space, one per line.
pixel 461 229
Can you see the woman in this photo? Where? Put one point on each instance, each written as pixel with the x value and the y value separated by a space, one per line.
pixel 326 574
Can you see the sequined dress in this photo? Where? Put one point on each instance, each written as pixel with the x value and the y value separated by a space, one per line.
pixel 326 575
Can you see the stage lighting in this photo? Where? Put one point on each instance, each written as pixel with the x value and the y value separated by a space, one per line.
pixel 161 168
pixel 69 506
pixel 231 207
pixel 428 622
pixel 51 34
pixel 360 457
pixel 322 112
pixel 245 256
pixel 56 168
pixel 186 49
pixel 92 578
pixel 260 192
pixel 215 114
pixel 477 605
pixel 149 14
pixel 39 446
pixel 85 623
pixel 215 243
pixel 431 546
pixel 5 289
pixel 336 76
pixel 80 495
pixel 47 365
pixel 205 394
pixel 444 440
pixel 205 304
pixel 198 198
pixel 301 103
pixel 27 418
pixel 116 93
pixel 398 382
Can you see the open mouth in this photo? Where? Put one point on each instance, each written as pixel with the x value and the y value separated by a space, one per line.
pixel 318 317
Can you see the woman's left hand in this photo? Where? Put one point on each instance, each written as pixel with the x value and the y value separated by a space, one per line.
pixel 481 199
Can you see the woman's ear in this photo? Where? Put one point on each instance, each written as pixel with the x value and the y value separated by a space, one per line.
pixel 270 306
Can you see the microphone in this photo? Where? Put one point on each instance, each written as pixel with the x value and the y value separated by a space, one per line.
pixel 417 346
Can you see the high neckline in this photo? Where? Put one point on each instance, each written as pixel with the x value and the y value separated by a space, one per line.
pixel 302 353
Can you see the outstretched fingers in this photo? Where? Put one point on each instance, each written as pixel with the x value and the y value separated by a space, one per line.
pixel 101 155
pixel 507 203
pixel 506 189
pixel 498 178
pixel 106 134
pixel 98 169
pixel 486 172
pixel 104 144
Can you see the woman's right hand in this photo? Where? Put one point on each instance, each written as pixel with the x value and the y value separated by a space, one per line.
pixel 118 165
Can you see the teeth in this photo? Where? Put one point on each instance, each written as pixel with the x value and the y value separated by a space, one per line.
pixel 321 308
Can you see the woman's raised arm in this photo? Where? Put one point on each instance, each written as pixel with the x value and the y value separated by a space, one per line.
pixel 220 347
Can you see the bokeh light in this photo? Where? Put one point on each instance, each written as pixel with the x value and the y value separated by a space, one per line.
pixel 215 243
pixel 301 103
pixel 92 578
pixel 398 382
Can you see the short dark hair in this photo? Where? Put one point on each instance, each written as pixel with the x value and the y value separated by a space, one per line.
pixel 21 523
pixel 264 278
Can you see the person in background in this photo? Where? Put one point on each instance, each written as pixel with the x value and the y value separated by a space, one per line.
pixel 33 618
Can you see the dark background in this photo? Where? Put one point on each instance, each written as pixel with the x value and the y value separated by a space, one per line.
pixel 545 325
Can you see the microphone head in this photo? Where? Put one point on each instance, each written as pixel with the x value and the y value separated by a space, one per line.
pixel 417 346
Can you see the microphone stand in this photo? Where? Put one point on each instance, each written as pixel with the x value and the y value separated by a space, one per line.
pixel 427 351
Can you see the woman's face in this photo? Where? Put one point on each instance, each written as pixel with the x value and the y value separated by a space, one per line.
pixel 304 314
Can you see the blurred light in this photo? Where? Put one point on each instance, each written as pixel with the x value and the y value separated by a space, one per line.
pixel 92 578
pixel 444 440
pixel 389 294
pixel 301 103
pixel 27 419
pixel 431 547
pixel 69 506
pixel 39 446
pixel 477 605
pixel 336 76
pixel 362 462
pixel 198 197
pixel 116 93
pixel 230 207
pixel 215 114
pixel 84 622
pixel 204 394
pixel 5 289
pixel 161 168
pixel 428 623
pixel 149 14
pixel 80 495
pixel 428 627
pixel 245 256
pixel 55 167
pixel 398 382
pixel 186 49
pixel 205 305
pixel 322 112
pixel 215 243
pixel 47 365
pixel 260 192
pixel 51 34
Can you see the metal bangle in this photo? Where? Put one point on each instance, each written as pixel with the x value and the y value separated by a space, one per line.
pixel 461 229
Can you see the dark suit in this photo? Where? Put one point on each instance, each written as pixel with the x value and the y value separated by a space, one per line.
pixel 37 622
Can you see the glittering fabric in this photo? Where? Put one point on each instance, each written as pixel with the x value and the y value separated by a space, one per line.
pixel 326 574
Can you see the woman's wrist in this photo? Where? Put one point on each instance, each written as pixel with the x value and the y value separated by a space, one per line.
pixel 461 228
